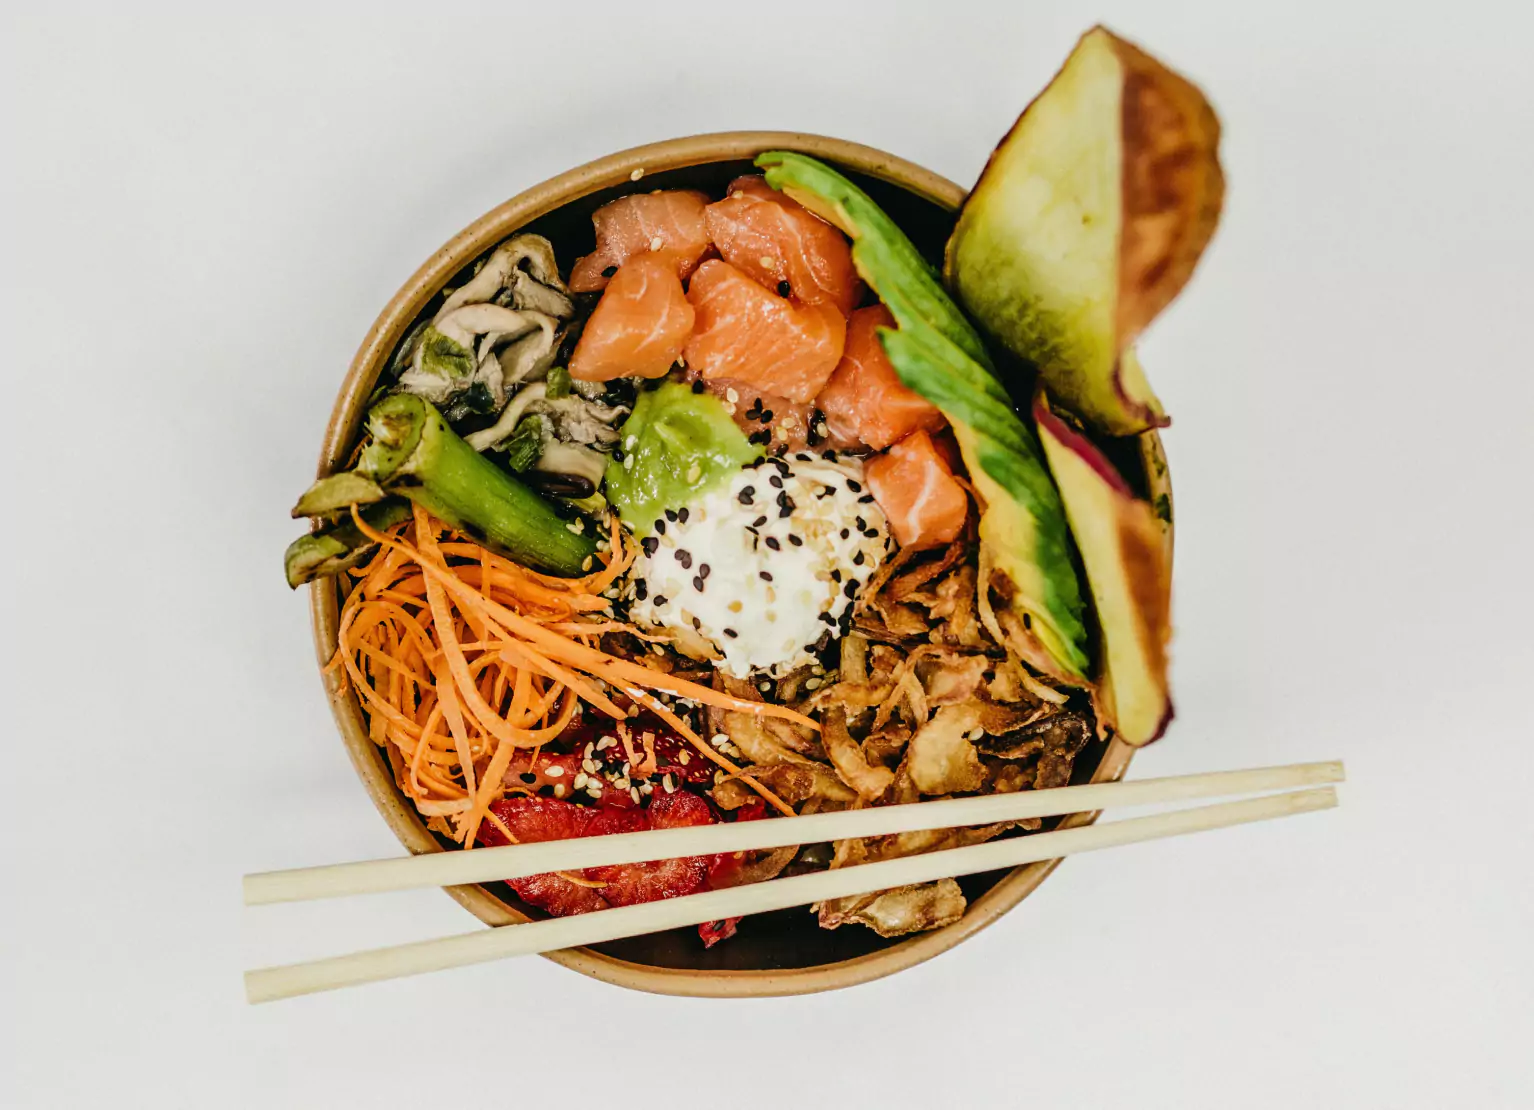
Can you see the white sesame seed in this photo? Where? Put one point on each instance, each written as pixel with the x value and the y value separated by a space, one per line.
pixel 731 396
pixel 634 793
pixel 559 790
pixel 684 758
pixel 719 739
pixel 657 243
pixel 555 772
pixel 768 262
pixel 580 780
pixel 669 783
pixel 637 174
pixel 628 462
pixel 588 764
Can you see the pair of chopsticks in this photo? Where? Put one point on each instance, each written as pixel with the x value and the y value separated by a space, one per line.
pixel 518 860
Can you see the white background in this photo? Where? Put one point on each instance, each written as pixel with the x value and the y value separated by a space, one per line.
pixel 202 214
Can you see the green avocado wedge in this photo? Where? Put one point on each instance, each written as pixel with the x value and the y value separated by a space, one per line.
pixel 1087 221
pixel 1124 551
pixel 677 445
pixel 1025 547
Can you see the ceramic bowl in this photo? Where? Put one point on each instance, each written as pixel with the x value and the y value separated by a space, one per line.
pixel 773 954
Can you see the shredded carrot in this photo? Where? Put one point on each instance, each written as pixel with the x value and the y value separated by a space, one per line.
pixel 462 658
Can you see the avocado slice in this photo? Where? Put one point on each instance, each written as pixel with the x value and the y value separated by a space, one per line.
pixel 1025 547
pixel 1087 220
pixel 1124 549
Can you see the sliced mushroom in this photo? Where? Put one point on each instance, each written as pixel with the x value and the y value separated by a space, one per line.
pixel 570 458
pixel 445 362
pixel 529 294
pixel 510 417
pixel 502 268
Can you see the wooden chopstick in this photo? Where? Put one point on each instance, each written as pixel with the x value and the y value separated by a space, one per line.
pixel 516 860
pixel 272 983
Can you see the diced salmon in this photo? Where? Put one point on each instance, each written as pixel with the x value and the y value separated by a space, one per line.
pixel 865 400
pixel 773 422
pixel 774 239
pixel 746 332
pixel 668 222
pixel 638 327
pixel 914 486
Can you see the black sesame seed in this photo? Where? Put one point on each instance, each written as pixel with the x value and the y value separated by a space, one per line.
pixel 795 540
pixel 857 560
pixel 866 499
pixel 766 417
pixel 764 575
pixel 860 522
pixel 851 588
pixel 671 515
pixel 697 385
pixel 828 618
pixel 685 558
pixel 785 501
pixel 682 514
pixel 836 576
pixel 731 633
pixel 696 623
pixel 758 522
pixel 660 527
pixel 846 533
pixel 745 495
pixel 650 544
pixel 528 777
pixel 761 438
pixel 784 289
pixel 641 588
pixel 854 485
pixel 772 542
pixel 704 571
pixel 782 466
pixel 609 271
pixel 617 454
pixel 660 600
pixel 697 582
pixel 775 482
pixel 829 456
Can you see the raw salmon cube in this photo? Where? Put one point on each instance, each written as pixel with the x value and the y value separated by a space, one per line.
pixel 916 489
pixel 775 240
pixel 638 327
pixel 747 332
pixel 667 222
pixel 865 400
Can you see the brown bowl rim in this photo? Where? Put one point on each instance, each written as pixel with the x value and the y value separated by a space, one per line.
pixel 501 221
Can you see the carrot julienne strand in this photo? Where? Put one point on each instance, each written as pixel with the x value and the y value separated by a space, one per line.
pixel 462 658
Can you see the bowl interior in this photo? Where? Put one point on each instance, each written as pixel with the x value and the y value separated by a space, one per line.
pixel 776 952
